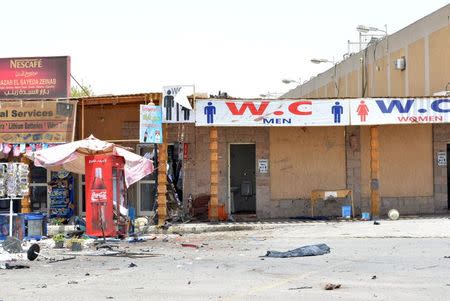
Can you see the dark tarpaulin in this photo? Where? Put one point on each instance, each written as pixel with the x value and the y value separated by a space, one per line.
pixel 312 250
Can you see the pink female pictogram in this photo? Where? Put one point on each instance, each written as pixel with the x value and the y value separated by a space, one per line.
pixel 362 111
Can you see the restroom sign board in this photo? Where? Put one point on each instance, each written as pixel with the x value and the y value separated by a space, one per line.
pixel 172 109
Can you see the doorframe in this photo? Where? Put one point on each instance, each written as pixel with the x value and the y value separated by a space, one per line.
pixel 229 174
pixel 140 212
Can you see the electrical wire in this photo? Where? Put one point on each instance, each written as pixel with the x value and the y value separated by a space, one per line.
pixel 82 88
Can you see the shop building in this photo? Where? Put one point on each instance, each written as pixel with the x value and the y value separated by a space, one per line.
pixel 413 62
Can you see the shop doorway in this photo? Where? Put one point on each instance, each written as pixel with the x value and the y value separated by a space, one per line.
pixel 242 179
pixel 448 177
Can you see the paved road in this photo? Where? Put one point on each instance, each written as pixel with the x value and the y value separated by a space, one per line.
pixel 406 256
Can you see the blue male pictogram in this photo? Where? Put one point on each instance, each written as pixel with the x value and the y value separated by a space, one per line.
pixel 210 111
pixel 337 110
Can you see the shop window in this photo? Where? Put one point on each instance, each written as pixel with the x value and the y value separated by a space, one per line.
pixel 38 188
pixel 146 188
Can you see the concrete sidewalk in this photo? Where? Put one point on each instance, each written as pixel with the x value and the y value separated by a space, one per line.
pixel 414 226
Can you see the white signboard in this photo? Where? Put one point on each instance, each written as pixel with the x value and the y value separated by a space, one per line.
pixel 263 165
pixel 442 159
pixel 225 112
pixel 175 105
pixel 370 111
pixel 330 195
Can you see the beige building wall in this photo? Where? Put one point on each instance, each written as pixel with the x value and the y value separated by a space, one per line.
pixel 397 77
pixel 304 159
pixel 342 85
pixel 416 72
pixel 406 161
pixel 380 81
pixel 439 59
pixel 352 84
pixel 331 89
pixel 321 92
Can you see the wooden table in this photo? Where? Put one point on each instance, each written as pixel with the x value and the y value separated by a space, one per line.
pixel 330 194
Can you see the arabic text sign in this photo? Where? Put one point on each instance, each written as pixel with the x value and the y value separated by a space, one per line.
pixel 218 112
pixel 37 121
pixel 35 77
pixel 150 124
pixel 172 111
pixel 371 111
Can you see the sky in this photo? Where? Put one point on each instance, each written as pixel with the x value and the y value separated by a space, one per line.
pixel 242 47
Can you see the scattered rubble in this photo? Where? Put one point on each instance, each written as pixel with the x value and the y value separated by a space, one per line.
pixel 300 288
pixel 331 286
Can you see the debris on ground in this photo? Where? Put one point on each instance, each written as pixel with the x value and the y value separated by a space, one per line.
pixel 132 265
pixel 13 266
pixel 53 260
pixel 12 245
pixel 312 250
pixel 374 277
pixel 376 222
pixel 72 282
pixel 190 246
pixel 299 288
pixel 331 286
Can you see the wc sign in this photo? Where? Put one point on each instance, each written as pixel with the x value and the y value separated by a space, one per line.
pixel 301 112
pixel 176 107
pixel 372 111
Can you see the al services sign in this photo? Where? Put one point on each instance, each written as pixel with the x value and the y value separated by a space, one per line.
pixel 50 121
pixel 35 77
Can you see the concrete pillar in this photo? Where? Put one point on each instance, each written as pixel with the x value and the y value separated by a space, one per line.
pixel 374 172
pixel 214 158
pixel 162 178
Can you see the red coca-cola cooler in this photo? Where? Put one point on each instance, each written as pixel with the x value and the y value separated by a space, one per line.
pixel 106 203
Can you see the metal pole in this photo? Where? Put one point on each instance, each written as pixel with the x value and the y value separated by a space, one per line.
pixel 11 212
pixel 82 118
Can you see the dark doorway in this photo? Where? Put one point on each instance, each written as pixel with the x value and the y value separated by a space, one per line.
pixel 448 178
pixel 242 178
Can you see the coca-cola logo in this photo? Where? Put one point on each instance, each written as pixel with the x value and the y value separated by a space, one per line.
pixel 97 196
pixel 97 161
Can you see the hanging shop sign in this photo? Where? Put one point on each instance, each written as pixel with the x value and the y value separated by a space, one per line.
pixel 35 77
pixel 371 111
pixel 150 124
pixel 218 112
pixel 37 121
pixel 176 107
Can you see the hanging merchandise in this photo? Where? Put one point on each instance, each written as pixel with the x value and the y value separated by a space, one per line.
pixel 61 194
pixel 13 186
pixel 7 148
pixel 13 180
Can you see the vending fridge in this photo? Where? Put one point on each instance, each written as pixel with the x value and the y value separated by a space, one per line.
pixel 106 203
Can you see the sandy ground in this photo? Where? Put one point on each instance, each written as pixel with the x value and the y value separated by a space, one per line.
pixel 396 260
